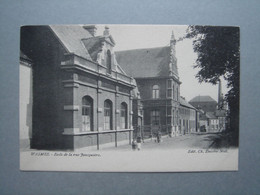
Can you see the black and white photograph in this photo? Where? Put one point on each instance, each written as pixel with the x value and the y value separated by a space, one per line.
pixel 129 98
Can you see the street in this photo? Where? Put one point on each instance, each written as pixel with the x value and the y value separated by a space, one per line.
pixel 202 141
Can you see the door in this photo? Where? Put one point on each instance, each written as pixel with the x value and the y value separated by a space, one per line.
pixel 155 121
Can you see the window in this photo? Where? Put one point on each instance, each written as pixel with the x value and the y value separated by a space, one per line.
pixel 123 116
pixel 108 62
pixel 155 117
pixel 169 88
pixel 87 113
pixel 177 93
pixel 155 92
pixel 173 116
pixel 173 95
pixel 107 115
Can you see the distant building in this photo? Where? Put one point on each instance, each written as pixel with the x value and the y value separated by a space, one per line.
pixel 212 114
pixel 206 103
pixel 156 74
pixel 80 94
pixel 188 121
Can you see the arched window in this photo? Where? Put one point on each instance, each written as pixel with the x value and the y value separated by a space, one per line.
pixel 156 92
pixel 108 62
pixel 87 113
pixel 123 116
pixel 108 115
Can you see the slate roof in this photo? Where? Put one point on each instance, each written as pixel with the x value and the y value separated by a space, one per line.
pixel 183 102
pixel 71 37
pixel 150 62
pixel 79 41
pixel 211 115
pixel 207 115
pixel 206 98
pixel 93 45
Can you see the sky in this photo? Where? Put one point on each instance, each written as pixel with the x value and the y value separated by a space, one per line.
pixel 148 36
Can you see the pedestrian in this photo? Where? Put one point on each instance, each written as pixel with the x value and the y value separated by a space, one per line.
pixel 159 135
pixel 134 145
pixel 139 140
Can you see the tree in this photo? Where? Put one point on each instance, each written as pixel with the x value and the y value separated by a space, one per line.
pixel 218 50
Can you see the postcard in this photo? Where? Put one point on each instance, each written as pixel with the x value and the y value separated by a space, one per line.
pixel 129 98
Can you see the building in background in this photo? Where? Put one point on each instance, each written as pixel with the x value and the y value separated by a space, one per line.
pixel 206 103
pixel 156 74
pixel 81 96
pixel 212 114
pixel 188 122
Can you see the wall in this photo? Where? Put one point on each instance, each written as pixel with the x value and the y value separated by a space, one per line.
pixel 25 121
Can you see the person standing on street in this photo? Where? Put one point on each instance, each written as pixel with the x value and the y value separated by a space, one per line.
pixel 139 140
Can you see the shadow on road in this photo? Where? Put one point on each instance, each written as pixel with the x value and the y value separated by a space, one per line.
pixel 222 140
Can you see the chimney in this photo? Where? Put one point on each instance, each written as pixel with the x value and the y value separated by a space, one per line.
pixel 106 31
pixel 220 95
pixel 92 29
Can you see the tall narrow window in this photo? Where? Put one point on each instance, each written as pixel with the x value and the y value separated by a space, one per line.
pixel 173 95
pixel 123 116
pixel 173 116
pixel 155 117
pixel 87 113
pixel 177 93
pixel 107 115
pixel 156 92
pixel 169 88
pixel 108 62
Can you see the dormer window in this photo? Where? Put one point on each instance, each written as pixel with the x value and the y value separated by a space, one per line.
pixel 108 62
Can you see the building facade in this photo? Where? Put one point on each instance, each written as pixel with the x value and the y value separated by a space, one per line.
pixel 156 75
pixel 81 95
pixel 188 122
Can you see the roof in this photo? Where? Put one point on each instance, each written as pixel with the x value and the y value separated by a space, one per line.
pixel 210 115
pixel 149 62
pixel 183 102
pixel 71 37
pixel 79 41
pixel 93 45
pixel 220 113
pixel 24 57
pixel 207 115
pixel 206 98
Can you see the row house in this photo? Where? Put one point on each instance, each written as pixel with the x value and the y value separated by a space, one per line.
pixel 189 117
